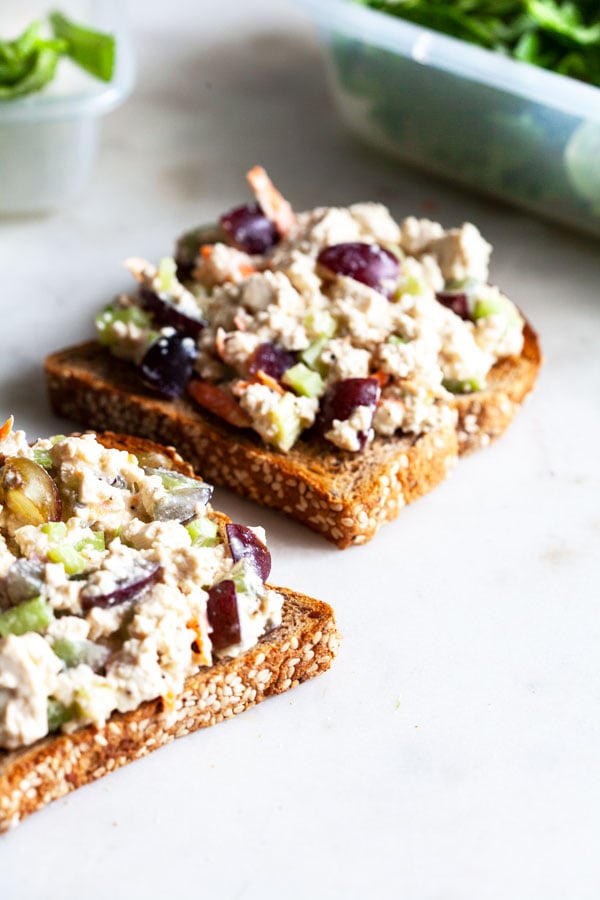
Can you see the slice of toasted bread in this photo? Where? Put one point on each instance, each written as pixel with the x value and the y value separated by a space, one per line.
pixel 484 415
pixel 343 496
pixel 300 648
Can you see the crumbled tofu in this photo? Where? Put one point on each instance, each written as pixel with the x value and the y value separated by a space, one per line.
pixel 28 670
pixel 462 253
pixel 417 234
pixel 352 433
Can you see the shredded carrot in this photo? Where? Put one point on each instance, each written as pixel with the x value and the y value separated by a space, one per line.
pixel 246 269
pixel 269 382
pixel 217 401
pixel 382 377
pixel 273 204
pixel 6 429
pixel 206 250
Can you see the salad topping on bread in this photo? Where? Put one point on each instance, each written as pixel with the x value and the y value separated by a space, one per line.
pixel 337 322
pixel 117 582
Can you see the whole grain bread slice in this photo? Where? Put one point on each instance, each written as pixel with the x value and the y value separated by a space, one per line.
pixel 300 648
pixel 344 496
pixel 303 646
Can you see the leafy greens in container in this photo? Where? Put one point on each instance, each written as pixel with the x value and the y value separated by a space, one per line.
pixel 563 37
pixel 28 63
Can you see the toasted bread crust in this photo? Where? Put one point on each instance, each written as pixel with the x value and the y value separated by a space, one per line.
pixel 344 496
pixel 485 415
pixel 303 646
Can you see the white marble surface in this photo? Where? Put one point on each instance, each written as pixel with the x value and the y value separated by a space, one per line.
pixel 453 750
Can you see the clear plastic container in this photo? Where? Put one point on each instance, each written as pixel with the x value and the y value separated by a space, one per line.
pixel 48 140
pixel 465 113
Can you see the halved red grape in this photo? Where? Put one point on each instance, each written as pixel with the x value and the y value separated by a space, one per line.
pixel 168 364
pixel 29 492
pixel 185 498
pixel 368 263
pixel 271 359
pixel 165 313
pixel 248 229
pixel 457 302
pixel 223 617
pixel 143 574
pixel 244 544
pixel 25 580
pixel 342 398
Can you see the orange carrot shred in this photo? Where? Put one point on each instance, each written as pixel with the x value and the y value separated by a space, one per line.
pixel 271 201
pixel 6 429
pixel 269 382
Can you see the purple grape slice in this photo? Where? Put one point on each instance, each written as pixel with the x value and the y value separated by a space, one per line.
pixel 244 544
pixel 143 575
pixel 223 616
pixel 271 359
pixel 370 264
pixel 168 364
pixel 25 580
pixel 248 229
pixel 165 313
pixel 458 302
pixel 342 398
pixel 185 498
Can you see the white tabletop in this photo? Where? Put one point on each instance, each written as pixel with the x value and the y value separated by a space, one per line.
pixel 452 752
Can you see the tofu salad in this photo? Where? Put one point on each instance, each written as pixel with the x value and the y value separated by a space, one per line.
pixel 117 582
pixel 337 324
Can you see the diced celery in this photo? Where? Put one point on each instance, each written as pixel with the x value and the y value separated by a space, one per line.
pixel 43 458
pixel 94 542
pixel 125 314
pixel 311 356
pixel 286 418
pixel 321 323
pixel 462 387
pixel 167 271
pixel 396 339
pixel 244 578
pixel 73 653
pixel 56 531
pixel 410 285
pixel 58 714
pixel 57 438
pixel 203 532
pixel 66 554
pixel 32 615
pixel 95 700
pixel 304 381
pixel 497 306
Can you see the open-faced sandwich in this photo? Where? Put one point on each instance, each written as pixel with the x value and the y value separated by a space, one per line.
pixel 330 363
pixel 131 613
